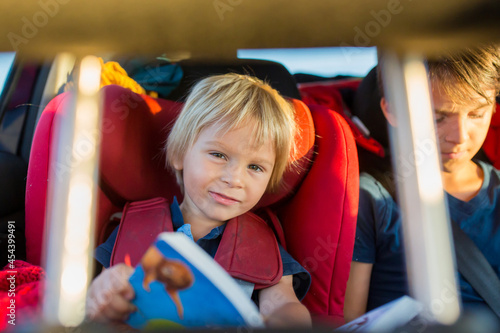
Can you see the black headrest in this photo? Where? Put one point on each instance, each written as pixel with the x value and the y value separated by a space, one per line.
pixel 271 72
pixel 366 106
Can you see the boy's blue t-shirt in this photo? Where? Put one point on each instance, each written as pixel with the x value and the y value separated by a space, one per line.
pixel 210 243
pixel 379 242
pixel 379 235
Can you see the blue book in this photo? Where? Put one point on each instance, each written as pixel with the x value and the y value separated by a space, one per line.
pixel 177 284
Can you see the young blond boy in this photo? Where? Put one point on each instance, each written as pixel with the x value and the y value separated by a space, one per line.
pixel 231 143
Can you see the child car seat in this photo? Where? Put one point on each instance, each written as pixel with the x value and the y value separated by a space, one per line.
pixel 318 209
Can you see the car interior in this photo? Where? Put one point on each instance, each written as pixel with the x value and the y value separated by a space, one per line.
pixel 138 125
pixel 343 131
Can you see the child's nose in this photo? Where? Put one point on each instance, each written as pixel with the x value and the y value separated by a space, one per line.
pixel 457 131
pixel 233 175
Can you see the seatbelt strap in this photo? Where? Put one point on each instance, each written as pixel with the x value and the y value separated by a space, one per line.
pixel 476 269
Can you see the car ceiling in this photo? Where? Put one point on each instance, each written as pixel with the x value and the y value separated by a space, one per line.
pixel 217 28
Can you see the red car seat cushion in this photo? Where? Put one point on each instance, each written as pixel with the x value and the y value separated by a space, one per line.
pixel 321 217
pixel 132 159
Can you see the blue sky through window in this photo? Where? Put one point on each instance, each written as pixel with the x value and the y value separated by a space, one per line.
pixel 6 62
pixel 324 61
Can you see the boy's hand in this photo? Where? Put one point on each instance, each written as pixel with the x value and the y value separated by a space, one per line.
pixel 280 307
pixel 110 294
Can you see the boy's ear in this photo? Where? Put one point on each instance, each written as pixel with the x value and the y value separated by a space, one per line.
pixel 391 118
pixel 178 164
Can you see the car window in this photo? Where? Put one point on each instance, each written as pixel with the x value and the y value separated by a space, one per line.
pixel 6 63
pixel 321 61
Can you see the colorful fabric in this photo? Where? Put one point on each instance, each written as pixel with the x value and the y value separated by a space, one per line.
pixel 157 75
pixel 113 73
pixel 20 294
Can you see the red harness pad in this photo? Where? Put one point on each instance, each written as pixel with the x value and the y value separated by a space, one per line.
pixel 141 222
pixel 249 251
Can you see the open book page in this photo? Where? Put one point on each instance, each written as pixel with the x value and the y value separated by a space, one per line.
pixel 178 284
pixel 385 318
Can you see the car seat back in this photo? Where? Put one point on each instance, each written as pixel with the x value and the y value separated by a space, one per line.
pixel 131 165
pixel 271 72
pixel 317 208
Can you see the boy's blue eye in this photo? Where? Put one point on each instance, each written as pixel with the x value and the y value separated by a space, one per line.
pixel 218 155
pixel 255 168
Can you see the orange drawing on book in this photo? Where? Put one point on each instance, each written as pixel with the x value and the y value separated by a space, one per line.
pixel 127 260
pixel 174 274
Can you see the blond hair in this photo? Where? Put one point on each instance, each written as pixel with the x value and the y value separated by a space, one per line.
pixel 465 73
pixel 230 101
pixel 473 71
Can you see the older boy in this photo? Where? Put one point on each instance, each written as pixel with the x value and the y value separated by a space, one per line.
pixel 231 143
pixel 464 87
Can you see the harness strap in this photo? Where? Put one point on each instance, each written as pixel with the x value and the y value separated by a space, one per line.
pixel 141 222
